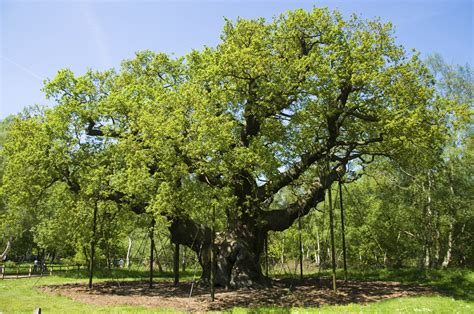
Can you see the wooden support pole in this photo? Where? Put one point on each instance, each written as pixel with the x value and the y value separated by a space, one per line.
pixel 343 232
pixel 93 242
pixel 266 254
pixel 213 256
pixel 152 245
pixel 331 219
pixel 300 248
pixel 176 264
pixel 333 248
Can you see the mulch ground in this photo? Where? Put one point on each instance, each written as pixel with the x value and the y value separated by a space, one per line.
pixel 283 293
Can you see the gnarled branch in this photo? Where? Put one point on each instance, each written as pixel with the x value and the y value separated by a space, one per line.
pixel 282 219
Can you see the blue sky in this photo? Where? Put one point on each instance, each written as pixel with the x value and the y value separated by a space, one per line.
pixel 40 37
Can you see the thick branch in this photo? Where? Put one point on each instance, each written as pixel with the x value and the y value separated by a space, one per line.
pixel 307 160
pixel 93 130
pixel 252 124
pixel 187 232
pixel 120 198
pixel 183 229
pixel 282 219
pixel 289 175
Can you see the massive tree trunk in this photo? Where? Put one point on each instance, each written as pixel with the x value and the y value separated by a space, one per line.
pixel 238 252
pixel 240 247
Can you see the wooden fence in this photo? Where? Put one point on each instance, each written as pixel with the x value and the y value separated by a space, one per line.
pixel 30 270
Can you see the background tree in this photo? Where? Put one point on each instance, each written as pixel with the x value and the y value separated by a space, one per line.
pixel 6 237
pixel 414 211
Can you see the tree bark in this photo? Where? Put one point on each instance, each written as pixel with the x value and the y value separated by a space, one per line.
pixel 7 248
pixel 129 250
pixel 447 258
pixel 427 261
pixel 184 260
pixel 238 252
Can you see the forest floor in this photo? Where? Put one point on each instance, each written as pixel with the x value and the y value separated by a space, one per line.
pixel 285 293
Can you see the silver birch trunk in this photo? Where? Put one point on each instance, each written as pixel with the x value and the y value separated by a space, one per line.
pixel 129 249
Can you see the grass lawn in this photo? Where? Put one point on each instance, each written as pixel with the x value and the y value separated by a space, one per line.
pixel 20 296
pixel 456 287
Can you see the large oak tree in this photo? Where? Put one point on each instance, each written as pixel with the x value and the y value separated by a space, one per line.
pixel 290 103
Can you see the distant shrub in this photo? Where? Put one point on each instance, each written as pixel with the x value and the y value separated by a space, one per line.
pixel 8 264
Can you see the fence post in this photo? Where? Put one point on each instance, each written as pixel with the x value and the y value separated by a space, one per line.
pixel 29 272
pixel 51 270
pixel 17 271
pixel 3 271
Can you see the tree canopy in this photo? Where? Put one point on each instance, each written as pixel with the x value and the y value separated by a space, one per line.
pixel 294 103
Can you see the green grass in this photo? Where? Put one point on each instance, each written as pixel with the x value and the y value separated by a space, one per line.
pixel 401 305
pixel 20 296
pixel 456 286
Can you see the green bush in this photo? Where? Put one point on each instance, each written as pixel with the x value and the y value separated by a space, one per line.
pixel 9 264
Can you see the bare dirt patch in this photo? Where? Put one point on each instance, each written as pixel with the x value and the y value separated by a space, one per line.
pixel 284 293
